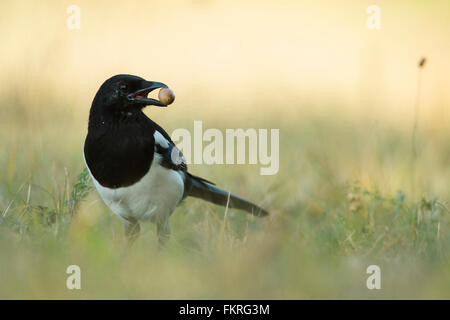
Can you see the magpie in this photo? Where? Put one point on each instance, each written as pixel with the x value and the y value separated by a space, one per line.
pixel 134 164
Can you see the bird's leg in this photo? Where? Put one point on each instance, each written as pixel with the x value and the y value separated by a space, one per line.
pixel 132 229
pixel 163 231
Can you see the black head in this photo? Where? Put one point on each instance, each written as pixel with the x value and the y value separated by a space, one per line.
pixel 125 93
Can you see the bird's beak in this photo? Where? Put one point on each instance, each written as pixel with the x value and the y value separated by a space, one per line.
pixel 140 96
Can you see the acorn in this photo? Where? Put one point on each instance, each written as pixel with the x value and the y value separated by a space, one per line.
pixel 166 96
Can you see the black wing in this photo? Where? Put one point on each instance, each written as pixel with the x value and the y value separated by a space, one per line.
pixel 172 158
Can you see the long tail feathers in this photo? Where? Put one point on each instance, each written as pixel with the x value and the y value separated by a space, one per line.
pixel 200 188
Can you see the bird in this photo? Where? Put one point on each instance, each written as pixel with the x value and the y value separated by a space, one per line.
pixel 135 166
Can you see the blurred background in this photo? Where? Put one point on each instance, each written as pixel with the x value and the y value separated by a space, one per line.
pixel 350 191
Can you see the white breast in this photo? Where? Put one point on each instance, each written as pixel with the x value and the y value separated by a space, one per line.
pixel 153 197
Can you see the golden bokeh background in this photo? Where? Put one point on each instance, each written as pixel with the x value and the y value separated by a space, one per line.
pixel 283 55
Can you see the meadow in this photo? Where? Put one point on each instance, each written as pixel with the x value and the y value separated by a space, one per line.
pixel 356 186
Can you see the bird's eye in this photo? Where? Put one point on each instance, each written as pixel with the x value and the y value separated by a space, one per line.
pixel 123 87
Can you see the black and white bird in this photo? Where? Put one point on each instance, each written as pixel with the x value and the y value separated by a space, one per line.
pixel 136 168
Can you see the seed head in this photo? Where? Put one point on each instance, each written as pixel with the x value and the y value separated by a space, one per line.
pixel 422 62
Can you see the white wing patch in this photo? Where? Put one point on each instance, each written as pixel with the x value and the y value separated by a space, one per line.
pixel 176 157
pixel 159 139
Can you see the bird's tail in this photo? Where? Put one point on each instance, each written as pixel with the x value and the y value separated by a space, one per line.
pixel 200 188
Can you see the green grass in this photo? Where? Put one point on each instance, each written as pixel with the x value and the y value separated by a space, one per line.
pixel 341 201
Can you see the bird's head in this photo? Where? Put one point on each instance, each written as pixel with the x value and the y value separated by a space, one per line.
pixel 125 93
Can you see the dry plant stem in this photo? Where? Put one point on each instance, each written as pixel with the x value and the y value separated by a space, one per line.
pixel 414 133
pixel 222 229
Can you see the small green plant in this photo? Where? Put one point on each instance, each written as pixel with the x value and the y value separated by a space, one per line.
pixel 28 218
pixel 79 192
